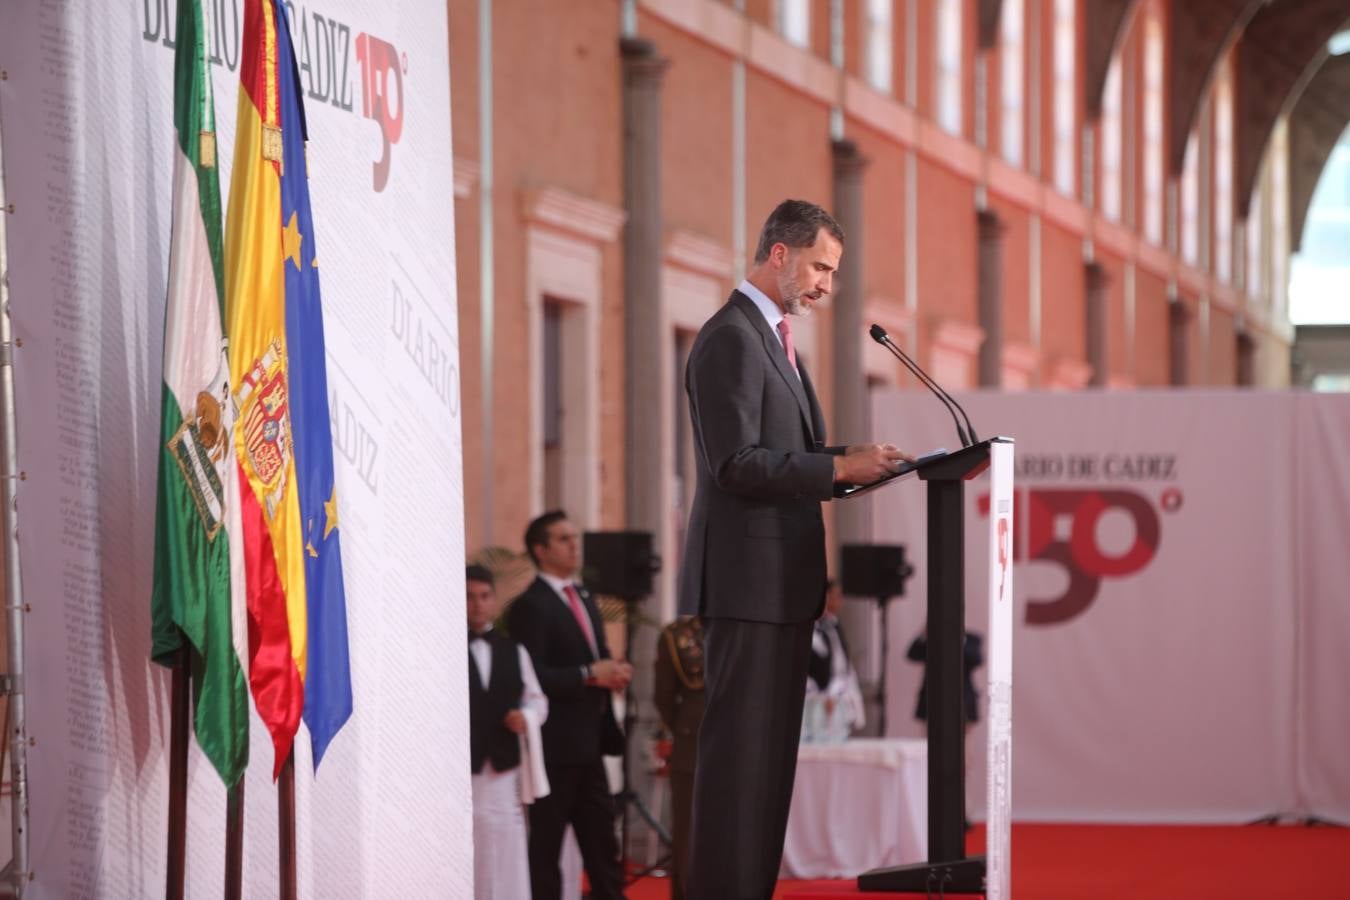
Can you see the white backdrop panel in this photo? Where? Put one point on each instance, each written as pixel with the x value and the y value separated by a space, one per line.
pixel 1323 473
pixel 1158 683
pixel 87 125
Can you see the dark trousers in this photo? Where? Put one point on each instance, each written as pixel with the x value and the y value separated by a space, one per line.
pixel 755 677
pixel 681 814
pixel 579 797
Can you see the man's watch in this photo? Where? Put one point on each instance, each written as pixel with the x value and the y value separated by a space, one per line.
pixel 586 673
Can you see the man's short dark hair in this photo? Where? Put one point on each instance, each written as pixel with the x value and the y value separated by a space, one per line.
pixel 536 534
pixel 476 572
pixel 796 224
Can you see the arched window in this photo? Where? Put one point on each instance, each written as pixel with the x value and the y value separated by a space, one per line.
pixel 1112 143
pixel 878 32
pixel 949 65
pixel 1153 126
pixel 1066 65
pixel 1011 79
pixel 1223 173
pixel 794 21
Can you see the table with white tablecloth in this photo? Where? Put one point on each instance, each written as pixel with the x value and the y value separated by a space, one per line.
pixel 856 806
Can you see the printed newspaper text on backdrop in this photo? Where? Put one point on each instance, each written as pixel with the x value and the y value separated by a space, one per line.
pixel 89 153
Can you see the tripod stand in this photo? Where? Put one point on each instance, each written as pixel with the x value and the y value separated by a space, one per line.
pixel 878 571
pixel 629 799
pixel 883 603
pixel 621 564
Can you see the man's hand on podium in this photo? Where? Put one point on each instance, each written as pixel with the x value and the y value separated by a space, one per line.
pixel 865 463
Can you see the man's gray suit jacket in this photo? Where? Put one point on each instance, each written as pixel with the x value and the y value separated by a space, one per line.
pixel 755 545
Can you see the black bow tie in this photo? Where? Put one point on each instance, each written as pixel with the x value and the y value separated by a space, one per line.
pixel 475 636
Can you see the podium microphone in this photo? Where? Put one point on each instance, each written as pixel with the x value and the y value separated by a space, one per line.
pixel 879 335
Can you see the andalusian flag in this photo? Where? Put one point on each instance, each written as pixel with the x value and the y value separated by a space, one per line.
pixel 273 533
pixel 328 687
pixel 197 486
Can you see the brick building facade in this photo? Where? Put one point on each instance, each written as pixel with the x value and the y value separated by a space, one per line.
pixel 1039 194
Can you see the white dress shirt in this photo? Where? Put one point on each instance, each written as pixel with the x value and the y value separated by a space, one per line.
pixel 532 697
pixel 501 864
pixel 767 308
pixel 825 642
pixel 843 686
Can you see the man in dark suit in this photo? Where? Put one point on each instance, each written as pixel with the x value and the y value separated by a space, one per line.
pixel 557 622
pixel 678 695
pixel 754 561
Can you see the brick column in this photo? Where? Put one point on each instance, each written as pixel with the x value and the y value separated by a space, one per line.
pixel 990 294
pixel 1246 358
pixel 646 432
pixel 851 408
pixel 1096 319
pixel 1178 342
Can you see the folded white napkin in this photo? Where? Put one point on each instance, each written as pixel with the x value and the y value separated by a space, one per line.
pixel 533 778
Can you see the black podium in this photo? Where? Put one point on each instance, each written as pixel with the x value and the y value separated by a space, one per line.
pixel 948 869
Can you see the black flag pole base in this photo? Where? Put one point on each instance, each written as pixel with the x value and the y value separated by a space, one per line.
pixel 962 876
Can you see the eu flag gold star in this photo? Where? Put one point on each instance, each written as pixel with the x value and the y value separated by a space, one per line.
pixel 291 239
pixel 330 510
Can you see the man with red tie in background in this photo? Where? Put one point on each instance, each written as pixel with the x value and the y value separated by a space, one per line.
pixel 557 622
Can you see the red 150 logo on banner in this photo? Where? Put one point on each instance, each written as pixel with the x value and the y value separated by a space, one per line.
pixel 1082 558
pixel 382 94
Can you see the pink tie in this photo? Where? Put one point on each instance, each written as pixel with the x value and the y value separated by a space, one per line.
pixel 583 620
pixel 785 330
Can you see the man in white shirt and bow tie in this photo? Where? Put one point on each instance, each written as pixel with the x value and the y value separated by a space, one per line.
pixel 556 620
pixel 833 687
pixel 505 700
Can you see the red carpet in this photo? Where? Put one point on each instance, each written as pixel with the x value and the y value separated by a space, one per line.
pixel 1113 862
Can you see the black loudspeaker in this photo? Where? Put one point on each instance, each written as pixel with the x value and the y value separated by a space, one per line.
pixel 619 563
pixel 874 570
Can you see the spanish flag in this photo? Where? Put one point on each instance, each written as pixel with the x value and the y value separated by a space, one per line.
pixel 255 298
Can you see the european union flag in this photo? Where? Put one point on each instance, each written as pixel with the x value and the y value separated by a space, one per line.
pixel 328 683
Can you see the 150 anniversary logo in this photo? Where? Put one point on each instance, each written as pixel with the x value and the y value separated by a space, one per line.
pixel 1059 524
pixel 325 48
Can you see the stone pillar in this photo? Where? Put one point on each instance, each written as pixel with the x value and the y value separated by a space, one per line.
pixel 646 432
pixel 1178 342
pixel 990 294
pixel 1096 320
pixel 1246 359
pixel 851 404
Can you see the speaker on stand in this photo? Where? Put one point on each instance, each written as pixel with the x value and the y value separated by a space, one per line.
pixel 622 564
pixel 878 571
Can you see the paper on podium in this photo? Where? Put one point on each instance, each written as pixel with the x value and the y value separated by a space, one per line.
pixel 852 490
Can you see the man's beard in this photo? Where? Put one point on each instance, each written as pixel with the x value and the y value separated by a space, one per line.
pixel 792 295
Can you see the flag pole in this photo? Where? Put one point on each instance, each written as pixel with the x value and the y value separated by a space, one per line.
pixel 286 829
pixel 178 750
pixel 234 841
